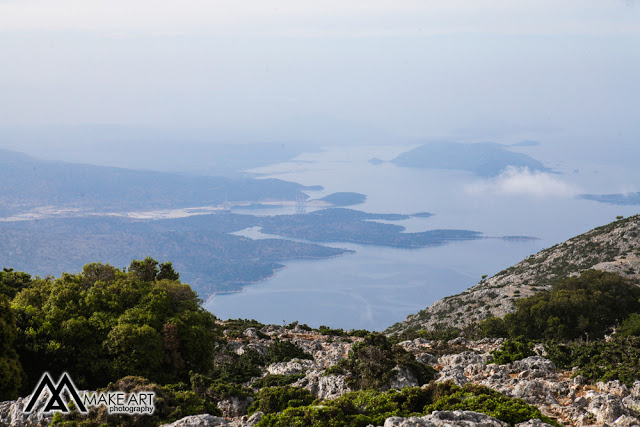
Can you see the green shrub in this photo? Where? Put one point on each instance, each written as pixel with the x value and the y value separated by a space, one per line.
pixel 477 398
pixel 586 306
pixel 600 360
pixel 216 390
pixel 630 327
pixel 273 380
pixel 276 399
pixel 370 364
pixel 512 350
pixel 230 367
pixel 10 367
pixel 235 327
pixel 284 351
pixel 362 408
pixel 171 403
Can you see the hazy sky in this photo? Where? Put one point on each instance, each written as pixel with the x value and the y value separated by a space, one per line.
pixel 411 68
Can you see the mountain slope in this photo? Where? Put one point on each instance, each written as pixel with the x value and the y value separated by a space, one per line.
pixel 614 247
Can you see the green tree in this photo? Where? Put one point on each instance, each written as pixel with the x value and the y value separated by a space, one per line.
pixel 146 270
pixel 12 282
pixel 588 306
pixel 104 323
pixel 10 368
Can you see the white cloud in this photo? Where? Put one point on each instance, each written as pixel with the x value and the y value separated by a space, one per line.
pixel 523 182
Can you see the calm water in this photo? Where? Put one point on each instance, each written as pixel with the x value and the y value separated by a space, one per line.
pixel 377 286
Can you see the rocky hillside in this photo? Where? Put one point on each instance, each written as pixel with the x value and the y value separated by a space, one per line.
pixel 535 380
pixel 614 247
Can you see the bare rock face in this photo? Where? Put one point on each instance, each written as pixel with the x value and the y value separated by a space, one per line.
pixel 324 386
pixel 245 421
pixel 402 378
pixel 534 392
pixel 234 406
pixel 12 412
pixel 465 358
pixel 293 367
pixel 204 420
pixel 446 419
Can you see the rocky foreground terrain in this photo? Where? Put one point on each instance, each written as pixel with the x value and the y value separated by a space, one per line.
pixel 536 380
pixel 562 395
pixel 614 247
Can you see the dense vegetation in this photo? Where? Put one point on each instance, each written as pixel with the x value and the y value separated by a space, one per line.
pixel 572 320
pixel 615 359
pixel 103 324
pixel 588 306
pixel 371 364
pixel 362 408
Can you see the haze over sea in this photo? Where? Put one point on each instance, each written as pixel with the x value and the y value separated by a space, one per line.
pixel 378 286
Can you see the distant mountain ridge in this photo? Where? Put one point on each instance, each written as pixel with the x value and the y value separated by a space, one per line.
pixel 26 182
pixel 614 247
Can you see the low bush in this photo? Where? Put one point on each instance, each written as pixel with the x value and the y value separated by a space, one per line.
pixel 512 350
pixel 284 351
pixel 370 407
pixel 616 359
pixel 273 380
pixel 588 306
pixel 371 362
pixel 481 399
pixel 271 400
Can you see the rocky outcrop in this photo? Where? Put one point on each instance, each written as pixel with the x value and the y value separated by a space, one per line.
pixel 234 406
pixel 324 386
pixel 614 247
pixel 204 420
pixel 293 367
pixel 446 419
pixel 12 412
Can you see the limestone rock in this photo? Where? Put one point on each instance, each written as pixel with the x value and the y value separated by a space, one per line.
pixel 465 358
pixel 324 386
pixel 402 378
pixel 204 420
pixel 12 412
pixel 534 392
pixel 234 406
pixel 446 419
pixel 251 333
pixel 293 367
pixel 534 366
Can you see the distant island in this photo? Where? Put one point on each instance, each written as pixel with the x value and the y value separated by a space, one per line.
pixel 484 159
pixel 613 199
pixel 344 199
pixel 376 161
pixel 527 143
